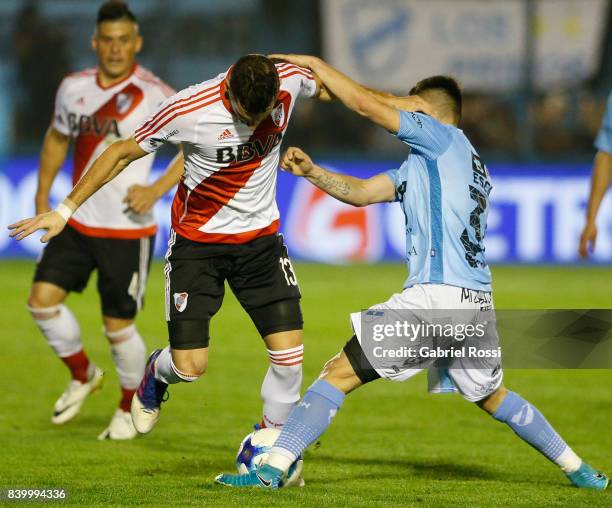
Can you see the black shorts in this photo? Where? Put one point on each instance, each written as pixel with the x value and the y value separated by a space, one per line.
pixel 259 273
pixel 123 266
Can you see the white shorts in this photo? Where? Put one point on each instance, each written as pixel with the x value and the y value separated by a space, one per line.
pixel 459 374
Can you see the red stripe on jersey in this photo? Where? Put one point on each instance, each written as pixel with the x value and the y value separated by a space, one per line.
pixel 289 66
pixel 121 234
pixel 215 98
pixel 192 210
pixel 228 238
pixel 94 129
pixel 174 105
pixel 283 76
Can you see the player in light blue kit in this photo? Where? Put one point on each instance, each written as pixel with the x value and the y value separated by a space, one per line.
pixel 443 187
pixel 600 181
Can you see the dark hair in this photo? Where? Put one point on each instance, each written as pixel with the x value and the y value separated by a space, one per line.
pixel 254 82
pixel 445 84
pixel 114 10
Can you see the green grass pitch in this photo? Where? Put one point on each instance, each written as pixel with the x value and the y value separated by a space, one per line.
pixel 392 444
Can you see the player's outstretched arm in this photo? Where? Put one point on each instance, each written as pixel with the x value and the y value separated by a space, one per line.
pixel 379 107
pixel 345 188
pixel 141 198
pixel 600 182
pixel 52 156
pixel 349 92
pixel 106 167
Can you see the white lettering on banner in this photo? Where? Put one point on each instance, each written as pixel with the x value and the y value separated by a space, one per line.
pixel 392 43
pixel 497 245
pixel 321 228
pixel 530 200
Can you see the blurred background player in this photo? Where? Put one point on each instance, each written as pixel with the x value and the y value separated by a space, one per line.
pixel 114 232
pixel 600 181
pixel 224 225
pixel 443 187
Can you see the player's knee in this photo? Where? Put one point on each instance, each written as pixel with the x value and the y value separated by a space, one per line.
pixel 118 335
pixel 189 364
pixel 340 373
pixel 491 402
pixel 41 309
pixel 44 303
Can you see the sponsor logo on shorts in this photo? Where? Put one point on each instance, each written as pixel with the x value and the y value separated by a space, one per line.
pixel 482 298
pixel 180 301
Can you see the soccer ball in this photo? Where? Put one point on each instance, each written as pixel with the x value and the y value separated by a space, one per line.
pixel 255 448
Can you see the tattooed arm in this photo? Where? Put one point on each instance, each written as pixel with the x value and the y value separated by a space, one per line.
pixel 348 189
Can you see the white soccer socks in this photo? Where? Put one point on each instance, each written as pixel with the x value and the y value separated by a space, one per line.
pixel 61 330
pixel 280 389
pixel 167 372
pixel 129 355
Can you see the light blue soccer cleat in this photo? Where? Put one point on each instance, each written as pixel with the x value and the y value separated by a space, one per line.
pixel 264 476
pixel 587 478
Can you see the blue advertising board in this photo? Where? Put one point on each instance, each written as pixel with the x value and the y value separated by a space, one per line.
pixel 537 213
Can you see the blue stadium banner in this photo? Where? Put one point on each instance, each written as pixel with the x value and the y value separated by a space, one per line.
pixel 536 215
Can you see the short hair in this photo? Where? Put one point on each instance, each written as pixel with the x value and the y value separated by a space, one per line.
pixel 446 85
pixel 254 82
pixel 115 10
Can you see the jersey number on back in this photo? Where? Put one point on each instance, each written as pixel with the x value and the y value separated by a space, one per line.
pixel 472 249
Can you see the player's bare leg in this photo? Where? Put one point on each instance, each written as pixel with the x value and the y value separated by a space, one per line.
pixel 129 355
pixel 531 426
pixel 165 366
pixel 281 386
pixel 61 329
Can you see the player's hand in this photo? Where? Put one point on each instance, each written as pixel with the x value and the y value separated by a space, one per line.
pixel 52 221
pixel 296 162
pixel 141 198
pixel 300 60
pixel 587 240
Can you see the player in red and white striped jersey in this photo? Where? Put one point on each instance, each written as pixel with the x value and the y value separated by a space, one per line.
pixel 94 108
pixel 225 221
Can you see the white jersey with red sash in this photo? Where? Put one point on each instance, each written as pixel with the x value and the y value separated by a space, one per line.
pixel 228 192
pixel 95 116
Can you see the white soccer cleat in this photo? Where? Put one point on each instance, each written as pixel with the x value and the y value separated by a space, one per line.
pixel 69 404
pixel 120 427
pixel 148 398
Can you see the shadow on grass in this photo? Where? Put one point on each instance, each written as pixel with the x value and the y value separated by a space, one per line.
pixel 400 468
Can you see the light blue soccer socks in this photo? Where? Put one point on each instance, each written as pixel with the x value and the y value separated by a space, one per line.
pixel 307 421
pixel 531 426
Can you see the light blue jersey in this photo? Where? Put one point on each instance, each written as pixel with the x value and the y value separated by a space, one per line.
pixel 443 187
pixel 603 142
